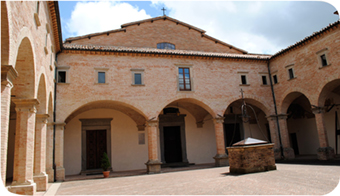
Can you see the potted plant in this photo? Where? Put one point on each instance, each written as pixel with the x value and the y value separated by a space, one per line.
pixel 106 165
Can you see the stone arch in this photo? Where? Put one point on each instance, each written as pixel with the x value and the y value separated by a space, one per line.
pixel 327 89
pixel 190 102
pixel 283 103
pixel 5 38
pixel 251 100
pixel 24 85
pixel 137 115
pixel 289 98
pixel 42 95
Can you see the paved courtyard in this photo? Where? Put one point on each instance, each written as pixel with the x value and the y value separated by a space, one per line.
pixel 288 179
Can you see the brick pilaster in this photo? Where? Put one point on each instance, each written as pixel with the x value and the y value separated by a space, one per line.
pixel 324 152
pixel 153 164
pixel 288 152
pixel 24 146
pixel 59 151
pixel 8 74
pixel 221 158
pixel 274 135
pixel 40 177
pixel 49 152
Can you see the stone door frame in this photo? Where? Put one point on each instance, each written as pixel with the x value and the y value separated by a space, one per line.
pixel 169 120
pixel 94 124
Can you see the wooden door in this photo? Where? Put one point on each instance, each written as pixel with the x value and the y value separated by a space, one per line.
pixel 95 148
pixel 172 144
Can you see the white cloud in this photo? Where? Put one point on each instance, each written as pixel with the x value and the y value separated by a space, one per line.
pixel 91 17
pixel 257 27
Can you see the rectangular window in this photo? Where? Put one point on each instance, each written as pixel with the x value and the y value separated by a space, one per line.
pixel 61 76
pixel 184 79
pixel 275 79
pixel 291 73
pixel 243 79
pixel 138 78
pixel 264 80
pixel 323 60
pixel 101 77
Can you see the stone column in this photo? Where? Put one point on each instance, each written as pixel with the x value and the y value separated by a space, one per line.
pixel 288 152
pixel 24 147
pixel 324 152
pixel 49 152
pixel 59 151
pixel 8 74
pixel 153 165
pixel 274 135
pixel 40 177
pixel 221 158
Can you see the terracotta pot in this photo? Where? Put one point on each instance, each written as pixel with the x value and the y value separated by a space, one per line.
pixel 106 174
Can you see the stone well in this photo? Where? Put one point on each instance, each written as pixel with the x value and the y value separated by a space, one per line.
pixel 251 155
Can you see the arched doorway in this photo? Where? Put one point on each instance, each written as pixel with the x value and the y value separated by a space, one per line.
pixel 113 127
pixel 186 133
pixel 237 127
pixel 329 99
pixel 303 136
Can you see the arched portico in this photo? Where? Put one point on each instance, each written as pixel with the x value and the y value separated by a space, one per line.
pixel 104 126
pixel 23 111
pixel 192 122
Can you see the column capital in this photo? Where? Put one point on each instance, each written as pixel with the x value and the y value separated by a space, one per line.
pixel 8 75
pixel 152 123
pixel 271 117
pixel 218 120
pixel 25 104
pixel 318 110
pixel 141 127
pixel 42 118
pixel 282 116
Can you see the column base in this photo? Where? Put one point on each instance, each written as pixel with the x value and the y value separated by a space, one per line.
pixel 50 174
pixel 41 180
pixel 153 166
pixel 221 160
pixel 60 174
pixel 288 153
pixel 23 189
pixel 325 153
pixel 277 154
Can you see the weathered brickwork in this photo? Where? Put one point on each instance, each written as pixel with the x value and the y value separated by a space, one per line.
pixel 28 48
pixel 148 34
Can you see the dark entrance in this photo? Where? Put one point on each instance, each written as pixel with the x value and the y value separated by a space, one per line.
pixel 95 147
pixel 294 143
pixel 172 144
pixel 231 134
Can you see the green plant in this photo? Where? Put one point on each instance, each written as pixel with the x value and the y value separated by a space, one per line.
pixel 105 162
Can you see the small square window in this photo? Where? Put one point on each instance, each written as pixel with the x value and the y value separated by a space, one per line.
pixel 61 76
pixel 243 79
pixel 275 79
pixel 323 60
pixel 264 80
pixel 101 77
pixel 138 78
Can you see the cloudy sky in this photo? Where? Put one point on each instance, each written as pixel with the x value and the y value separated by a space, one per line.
pixel 255 26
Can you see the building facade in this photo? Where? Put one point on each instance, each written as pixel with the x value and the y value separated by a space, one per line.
pixel 154 93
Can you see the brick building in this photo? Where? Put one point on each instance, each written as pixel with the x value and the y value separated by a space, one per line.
pixel 153 93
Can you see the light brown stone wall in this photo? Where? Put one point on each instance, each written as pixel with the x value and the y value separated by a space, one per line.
pixel 148 34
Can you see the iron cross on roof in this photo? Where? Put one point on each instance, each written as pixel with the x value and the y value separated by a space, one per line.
pixel 163 11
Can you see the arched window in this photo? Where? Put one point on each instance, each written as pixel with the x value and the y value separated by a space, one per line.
pixel 166 45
